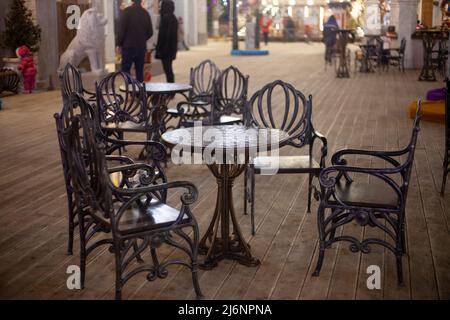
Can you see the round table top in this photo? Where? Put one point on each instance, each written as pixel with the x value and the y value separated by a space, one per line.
pixel 226 137
pixel 163 87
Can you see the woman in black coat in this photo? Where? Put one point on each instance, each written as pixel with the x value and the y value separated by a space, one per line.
pixel 167 46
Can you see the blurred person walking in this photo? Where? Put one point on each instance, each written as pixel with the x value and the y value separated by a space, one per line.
pixel 134 30
pixel 167 46
pixel 265 23
pixel 329 37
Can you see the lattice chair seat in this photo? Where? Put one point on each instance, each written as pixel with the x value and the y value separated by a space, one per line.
pixel 371 195
pixel 145 218
pixel 287 164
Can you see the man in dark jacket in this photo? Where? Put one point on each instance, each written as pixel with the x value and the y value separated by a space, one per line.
pixel 329 37
pixel 134 31
pixel 167 46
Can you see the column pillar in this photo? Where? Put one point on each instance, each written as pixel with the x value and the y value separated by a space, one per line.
pixel 48 58
pixel 404 18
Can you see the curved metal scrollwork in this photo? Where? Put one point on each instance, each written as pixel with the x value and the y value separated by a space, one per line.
pixel 230 94
pixel 338 209
pixel 120 98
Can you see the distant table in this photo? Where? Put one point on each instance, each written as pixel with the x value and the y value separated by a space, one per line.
pixel 368 48
pixel 429 39
pixel 344 37
pixel 219 242
pixel 158 97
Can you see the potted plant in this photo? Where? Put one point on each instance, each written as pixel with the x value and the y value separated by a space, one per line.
pixel 19 31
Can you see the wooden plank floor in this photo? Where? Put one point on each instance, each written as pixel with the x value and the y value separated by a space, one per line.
pixel 367 111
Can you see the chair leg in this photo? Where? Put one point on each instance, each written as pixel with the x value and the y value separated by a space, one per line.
pixel 321 227
pixel 195 281
pixel 398 258
pixel 245 191
pixel 444 175
pixel 138 256
pixel 71 227
pixel 311 177
pixel 81 227
pixel 403 238
pixel 252 197
pixel 118 253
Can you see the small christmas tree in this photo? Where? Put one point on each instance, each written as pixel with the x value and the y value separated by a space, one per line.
pixel 20 29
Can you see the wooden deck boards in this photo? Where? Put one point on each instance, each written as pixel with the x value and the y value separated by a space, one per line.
pixel 367 111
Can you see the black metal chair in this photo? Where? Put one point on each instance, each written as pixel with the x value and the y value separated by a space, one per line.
pixel 63 121
pixel 229 98
pixel 71 81
pixel 379 204
pixel 133 209
pixel 295 118
pixel 9 80
pixel 198 103
pixel 396 57
pixel 446 165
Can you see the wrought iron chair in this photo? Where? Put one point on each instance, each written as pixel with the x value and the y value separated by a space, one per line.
pixel 446 165
pixel 229 98
pixel 397 56
pixel 378 205
pixel 71 81
pixel 133 209
pixel 121 101
pixel 296 119
pixel 9 80
pixel 198 103
pixel 63 121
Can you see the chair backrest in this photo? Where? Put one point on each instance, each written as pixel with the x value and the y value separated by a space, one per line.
pixel 120 98
pixel 87 161
pixel 230 94
pixel 278 105
pixel 202 80
pixel 411 148
pixel 71 81
pixel 403 46
pixel 63 122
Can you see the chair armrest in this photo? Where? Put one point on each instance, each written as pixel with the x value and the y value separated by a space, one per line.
pixel 121 159
pixel 384 155
pixel 323 150
pixel 330 176
pixel 187 198
pixel 159 155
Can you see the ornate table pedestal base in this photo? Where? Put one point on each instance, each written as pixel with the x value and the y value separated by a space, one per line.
pixel 427 73
pixel 218 243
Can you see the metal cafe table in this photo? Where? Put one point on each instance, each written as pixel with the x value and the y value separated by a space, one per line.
pixel 219 241
pixel 429 39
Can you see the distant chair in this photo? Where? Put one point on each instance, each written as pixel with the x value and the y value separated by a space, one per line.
pixel 295 118
pixel 229 99
pixel 122 105
pixel 396 57
pixel 9 81
pixel 197 106
pixel 71 82
pixel 379 204
pixel 446 166
pixel 63 120
pixel 131 208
